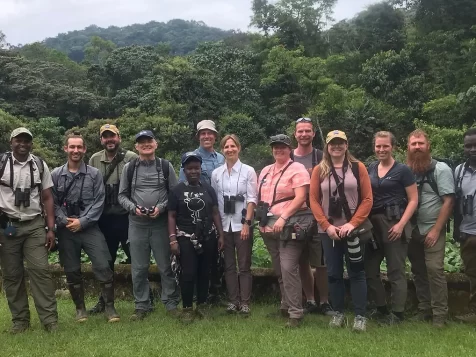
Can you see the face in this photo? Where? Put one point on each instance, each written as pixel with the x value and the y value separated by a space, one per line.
pixel 192 170
pixel 337 147
pixel 75 149
pixel 281 152
pixel 470 147
pixel 110 141
pixel 418 144
pixel 231 150
pixel 21 144
pixel 383 148
pixel 207 138
pixel 146 145
pixel 304 134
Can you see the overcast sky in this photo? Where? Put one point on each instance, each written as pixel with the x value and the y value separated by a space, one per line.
pixel 25 21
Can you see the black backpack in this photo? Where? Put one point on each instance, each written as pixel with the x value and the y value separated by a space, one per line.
pixel 160 165
pixel 7 155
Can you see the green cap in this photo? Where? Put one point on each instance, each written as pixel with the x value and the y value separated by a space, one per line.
pixel 19 131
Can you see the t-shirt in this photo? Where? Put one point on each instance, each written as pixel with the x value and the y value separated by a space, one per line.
pixel 306 160
pixel 192 203
pixel 390 189
pixel 467 182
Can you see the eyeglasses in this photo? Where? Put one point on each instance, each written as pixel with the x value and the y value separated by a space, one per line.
pixel 304 120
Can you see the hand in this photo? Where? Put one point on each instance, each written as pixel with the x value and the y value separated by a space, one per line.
pixel 50 240
pixel 345 230
pixel 278 225
pixel 333 232
pixel 73 224
pixel 245 232
pixel 221 242
pixel 175 248
pixel 432 238
pixel 155 214
pixel 139 213
pixel 395 232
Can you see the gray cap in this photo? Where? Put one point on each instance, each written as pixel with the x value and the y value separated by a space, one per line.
pixel 280 139
pixel 207 124
pixel 19 131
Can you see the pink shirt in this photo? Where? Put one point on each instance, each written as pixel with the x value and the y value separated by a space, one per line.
pixel 295 176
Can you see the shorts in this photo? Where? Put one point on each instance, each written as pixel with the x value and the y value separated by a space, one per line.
pixel 313 253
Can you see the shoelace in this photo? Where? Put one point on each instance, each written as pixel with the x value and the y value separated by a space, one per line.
pixel 245 309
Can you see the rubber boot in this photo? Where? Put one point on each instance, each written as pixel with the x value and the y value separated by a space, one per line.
pixel 98 308
pixel 108 295
pixel 77 294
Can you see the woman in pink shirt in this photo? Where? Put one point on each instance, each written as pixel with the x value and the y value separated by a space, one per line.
pixel 282 189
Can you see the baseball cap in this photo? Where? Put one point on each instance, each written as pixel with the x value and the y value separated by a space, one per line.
pixel 207 124
pixel 335 134
pixel 146 133
pixel 190 155
pixel 109 127
pixel 280 139
pixel 19 131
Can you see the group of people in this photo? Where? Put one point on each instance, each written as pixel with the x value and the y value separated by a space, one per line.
pixel 316 211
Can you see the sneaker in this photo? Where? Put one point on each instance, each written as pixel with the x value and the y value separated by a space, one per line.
pixel 422 316
pixel 360 324
pixel 245 310
pixel 337 320
pixel 187 316
pixel 310 307
pixel 138 315
pixel 326 309
pixel 468 318
pixel 390 320
pixel 231 308
pixel 51 327
pixel 19 327
pixel 293 323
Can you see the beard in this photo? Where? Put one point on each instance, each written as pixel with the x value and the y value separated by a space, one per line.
pixel 419 161
pixel 116 146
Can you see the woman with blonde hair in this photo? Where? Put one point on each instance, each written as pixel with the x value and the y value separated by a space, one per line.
pixel 341 198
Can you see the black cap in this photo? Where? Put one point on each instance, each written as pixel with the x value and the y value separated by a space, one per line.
pixel 146 133
pixel 280 139
pixel 189 156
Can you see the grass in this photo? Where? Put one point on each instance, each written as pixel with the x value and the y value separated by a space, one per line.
pixel 222 335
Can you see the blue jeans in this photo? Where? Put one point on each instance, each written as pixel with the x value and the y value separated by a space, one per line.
pixel 335 252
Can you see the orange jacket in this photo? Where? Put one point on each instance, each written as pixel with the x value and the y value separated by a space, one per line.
pixel 362 211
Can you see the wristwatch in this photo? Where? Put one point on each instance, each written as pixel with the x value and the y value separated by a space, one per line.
pixel 47 229
pixel 247 221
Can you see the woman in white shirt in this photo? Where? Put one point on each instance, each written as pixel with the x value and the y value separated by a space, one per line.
pixel 236 184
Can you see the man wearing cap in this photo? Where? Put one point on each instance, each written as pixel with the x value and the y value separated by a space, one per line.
pixel 78 192
pixel 312 255
pixel 207 135
pixel 114 221
pixel 143 192
pixel 27 233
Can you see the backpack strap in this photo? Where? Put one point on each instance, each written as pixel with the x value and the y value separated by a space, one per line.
pixel 316 157
pixel 130 174
pixel 164 166
pixel 112 166
pixel 160 165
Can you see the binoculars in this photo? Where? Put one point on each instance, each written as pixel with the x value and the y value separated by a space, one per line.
pixel 229 203
pixel 335 207
pixel 262 213
pixel 73 209
pixel 145 210
pixel 112 192
pixel 22 197
pixel 468 205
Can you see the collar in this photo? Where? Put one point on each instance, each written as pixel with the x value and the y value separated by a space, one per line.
pixel 104 156
pixel 205 153
pixel 282 168
pixel 82 169
pixel 187 184
pixel 15 161
pixel 236 167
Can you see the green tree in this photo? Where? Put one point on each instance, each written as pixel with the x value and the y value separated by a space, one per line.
pixel 98 50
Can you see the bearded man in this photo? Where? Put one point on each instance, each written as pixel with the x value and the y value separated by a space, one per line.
pixel 426 249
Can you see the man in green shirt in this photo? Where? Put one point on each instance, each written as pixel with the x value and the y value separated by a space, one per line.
pixel 114 221
pixel 426 249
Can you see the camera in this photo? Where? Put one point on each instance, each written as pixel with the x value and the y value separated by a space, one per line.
pixel 145 210
pixel 335 207
pixel 196 244
pixel 22 197
pixel 393 212
pixel 468 205
pixel 73 209
pixel 112 192
pixel 262 213
pixel 229 203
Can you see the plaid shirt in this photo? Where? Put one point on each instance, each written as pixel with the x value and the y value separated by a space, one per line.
pixel 295 176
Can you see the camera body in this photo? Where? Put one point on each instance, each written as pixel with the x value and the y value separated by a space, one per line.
pixel 22 197
pixel 262 211
pixel 468 205
pixel 73 209
pixel 335 206
pixel 229 203
pixel 112 192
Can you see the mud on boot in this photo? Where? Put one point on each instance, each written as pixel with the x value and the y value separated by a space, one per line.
pixel 77 294
pixel 108 295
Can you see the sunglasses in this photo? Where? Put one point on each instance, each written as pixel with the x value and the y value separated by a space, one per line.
pixel 304 120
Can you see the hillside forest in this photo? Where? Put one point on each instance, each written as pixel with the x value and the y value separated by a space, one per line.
pixel 395 66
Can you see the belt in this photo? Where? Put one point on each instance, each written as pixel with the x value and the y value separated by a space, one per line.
pixel 18 220
pixel 377 210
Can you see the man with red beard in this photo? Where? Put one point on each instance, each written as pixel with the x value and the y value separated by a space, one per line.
pixel 426 249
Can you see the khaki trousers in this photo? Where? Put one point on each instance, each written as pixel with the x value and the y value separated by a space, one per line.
pixel 285 259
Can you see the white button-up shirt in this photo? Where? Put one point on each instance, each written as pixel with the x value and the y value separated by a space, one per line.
pixel 241 180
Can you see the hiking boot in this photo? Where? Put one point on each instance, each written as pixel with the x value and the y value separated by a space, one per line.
pixel 187 316
pixel 245 310
pixel 19 327
pixel 326 309
pixel 279 313
pixel 98 308
pixel 109 309
pixel 470 317
pixel 173 313
pixel 139 315
pixel 51 327
pixel 338 320
pixel 200 311
pixel 422 316
pixel 390 320
pixel 231 308
pixel 293 323
pixel 439 321
pixel 310 307
pixel 360 324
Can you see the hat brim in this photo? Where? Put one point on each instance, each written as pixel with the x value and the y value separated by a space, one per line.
pixel 335 137
pixel 194 158
pixel 207 128
pixel 112 131
pixel 22 133
pixel 144 136
pixel 279 142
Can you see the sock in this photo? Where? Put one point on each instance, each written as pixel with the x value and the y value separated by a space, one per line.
pixel 383 310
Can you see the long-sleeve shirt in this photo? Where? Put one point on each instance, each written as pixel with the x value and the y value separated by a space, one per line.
pixel 91 195
pixel 147 189
pixel 210 161
pixel 242 181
